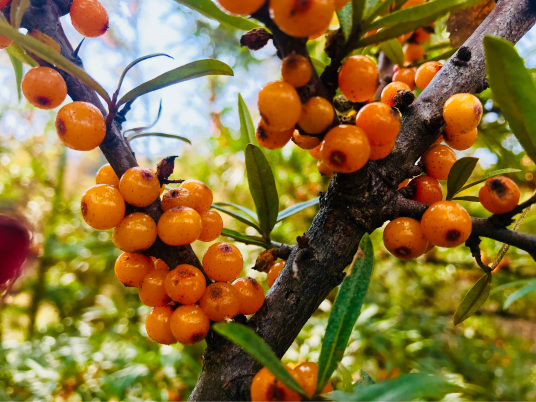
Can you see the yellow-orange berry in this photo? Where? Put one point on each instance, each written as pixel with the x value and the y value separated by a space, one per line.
pixel 269 138
pixel 201 194
pixel 274 272
pixel 446 224
pixel 222 262
pixel 241 7
pixel 220 301
pixel 462 112
pixel 391 90
pixel 266 387
pixel 80 126
pixel 405 75
pixel 305 141
pixel 212 225
pixel 179 226
pixel 158 326
pixel 302 18
pixel 323 169
pixel 499 195
pixel 438 160
pixel 296 70
pixel 317 115
pixel 345 149
pixel 306 375
pixel 185 284
pixel 152 291
pixel 177 197
pixel 102 207
pixel 315 152
pixel 358 78
pixel 44 87
pixel 404 37
pixel 413 52
pixel 189 324
pixel 404 239
pixel 460 140
pixel 159 264
pixel 426 72
pixel 136 232
pixel 381 151
pixel 89 17
pixel 426 189
pixel 5 42
pixel 250 295
pixel 279 105
pixel 380 123
pixel 130 268
pixel 340 4
pixel 106 175
pixel 421 35
pixel 140 187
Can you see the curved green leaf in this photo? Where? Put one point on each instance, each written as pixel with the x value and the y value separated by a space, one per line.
pixel 245 210
pixel 511 284
pixel 519 293
pixel 239 216
pixel 474 299
pixel 488 175
pixel 133 63
pixel 242 238
pixel 358 9
pixel 459 174
pixel 142 129
pixel 163 135
pixel 18 8
pixel 377 9
pixel 345 19
pixel 247 129
pixel 393 50
pixel 294 209
pixel 16 51
pixel 17 68
pixel 210 10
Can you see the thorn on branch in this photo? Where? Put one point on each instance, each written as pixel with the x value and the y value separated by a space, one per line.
pixel 165 169
pixel 255 39
pixel 303 241
pixel 403 99
pixel 462 56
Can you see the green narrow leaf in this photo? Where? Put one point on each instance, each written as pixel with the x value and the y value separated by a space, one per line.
pixel 318 65
pixel 262 188
pixel 18 8
pixel 17 68
pixel 196 69
pixel 459 174
pixel 519 293
pixel 487 176
pixel 358 9
pixel 468 198
pixel 294 209
pixel 133 63
pixel 247 129
pixel 145 128
pixel 345 19
pixel 210 10
pixel 163 135
pixel 16 51
pixel 511 284
pixel 252 343
pixel 344 314
pixel 242 238
pixel 239 216
pixel 377 9
pixel 513 90
pixel 366 379
pixel 474 299
pixel 245 210
pixel 346 378
pixel 393 50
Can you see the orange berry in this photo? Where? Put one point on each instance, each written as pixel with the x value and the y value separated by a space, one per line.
pixel 212 225
pixel 266 387
pixel 152 291
pixel 302 18
pixel 279 105
pixel 323 169
pixel 426 72
pixel 222 262
pixel 106 175
pixel 80 126
pixel 179 226
pixel 422 36
pixel 381 151
pixel 460 140
pixel 102 207
pixel 345 149
pixel 201 194
pixel 136 232
pixel 412 3
pixel 130 268
pixel 89 17
pixel 340 4
pixel 274 272
pixel 241 7
pixel 499 195
pixel 185 284
pixel 358 78
pixel 159 264
pixel 462 112
pixel 296 70
pixel 189 324
pixel 426 190
pixel 139 186
pixel 272 139
pixel 306 375
pixel 220 301
pixel 44 87
pixel 305 141
pixel 391 90
pixel 317 115
pixel 405 75
pixel 158 326
pixel 250 295
pixel 446 224
pixel 5 42
pixel 438 160
pixel 413 52
pixel 404 37
pixel 404 239
pixel 380 122
pixel 177 197
pixel 315 152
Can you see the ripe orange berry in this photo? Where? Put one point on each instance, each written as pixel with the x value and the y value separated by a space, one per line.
pixel 272 139
pixel 241 7
pixel 426 72
pixel 159 264
pixel 177 197
pixel 315 152
pixel 80 126
pixel 279 105
pixel 220 301
pixel 158 326
pixel 44 87
pixel 212 225
pixel 460 140
pixel 139 186
pixel 305 141
pixel 89 17
pixel 179 226
pixel 302 18
pixel 306 375
pixel 185 284
pixel 413 52
pixel 222 262
pixel 152 290
pixel 5 42
pixel 201 194
pixel 323 169
pixel 422 36
pixel 317 115
pixel 189 324
pixel 404 239
pixel 426 189
pixel 345 149
pixel 358 78
pixel 391 90
pixel 296 70
pixel 274 272
pixel 340 4
pixel 446 224
pixel 405 75
pixel 130 268
pixel 438 160
pixel 136 232
pixel 381 151
pixel 250 295
pixel 404 37
pixel 380 123
pixel 462 112
pixel 266 387
pixel 106 175
pixel 102 207
pixel 499 195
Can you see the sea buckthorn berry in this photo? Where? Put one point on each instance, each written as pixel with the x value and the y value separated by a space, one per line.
pixel 89 17
pixel 358 78
pixel 380 123
pixel 381 151
pixel 317 114
pixel 315 152
pixel 274 272
pixel 302 18
pixel 102 207
pixel 80 126
pixel 266 387
pixel 421 36
pixel 306 375
pixel 438 161
pixel 241 7
pixel 136 232
pixel 179 226
pixel 413 52
pixel 152 290
pixel 426 190
pixel 499 195
pixel 345 149
pixel 189 324
pixel 391 90
pixel 220 301
pixel 446 224
pixel 158 326
pixel 340 4
pixel 426 72
pixel 296 70
pixel 404 239
pixel 222 262
pixel 406 75
pixel 250 295
pixel 201 194
pixel 185 284
pixel 159 264
pixel 4 3
pixel 44 87
pixel 404 37
pixel 279 105
pixel 177 197
pixel 460 140
pixel 323 169
pixel 106 175
pixel 305 141
pixel 272 139
pixel 140 187
pixel 212 225
pixel 5 42
pixel 130 268
pixel 462 112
